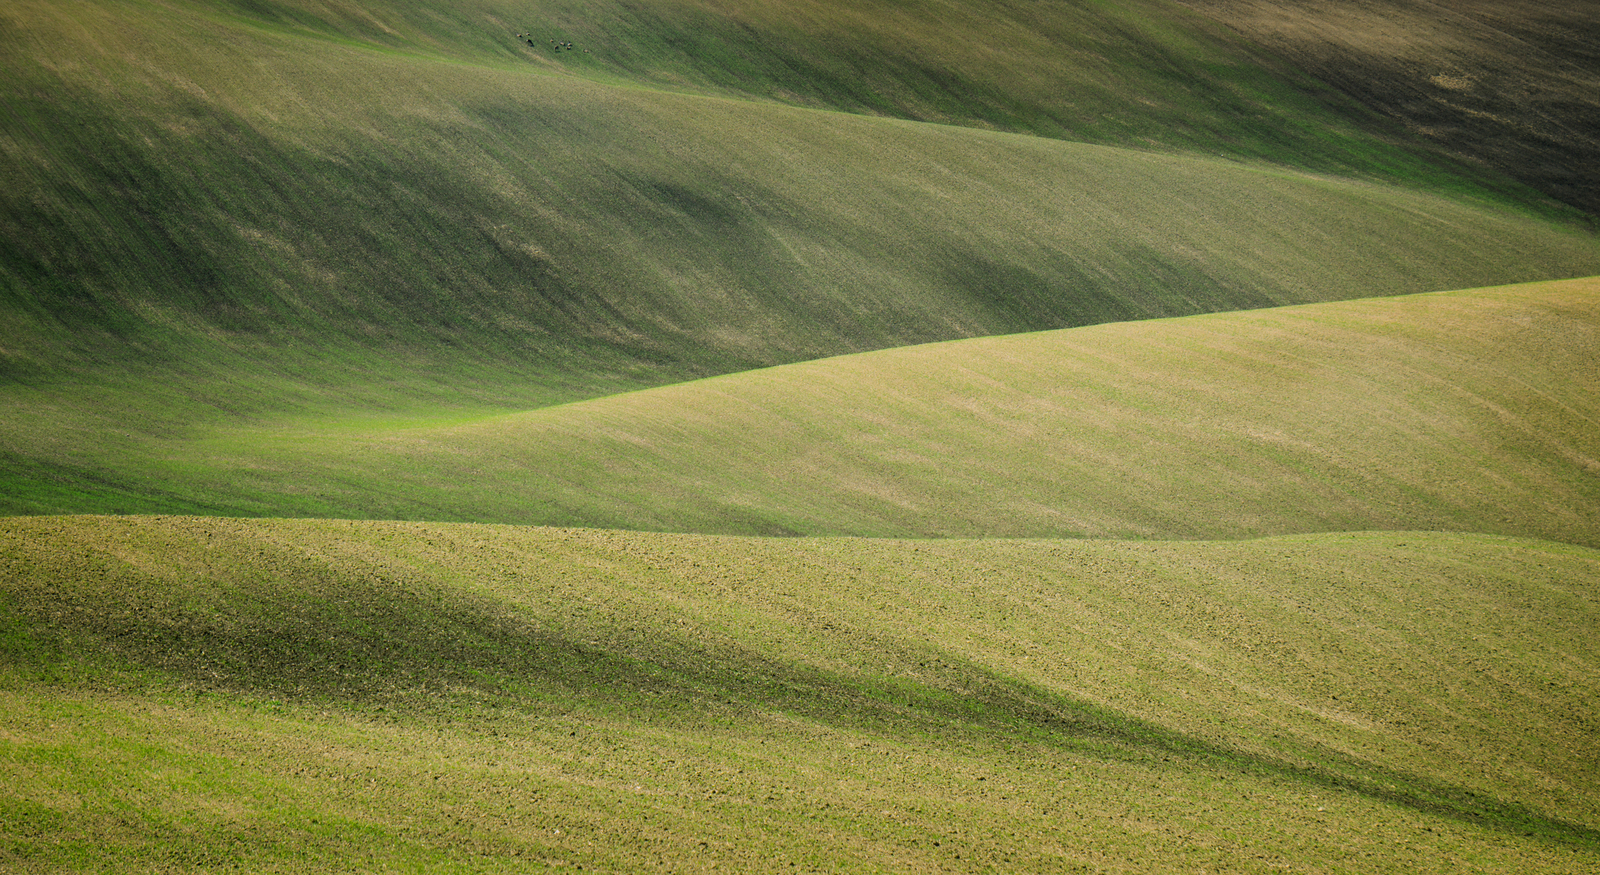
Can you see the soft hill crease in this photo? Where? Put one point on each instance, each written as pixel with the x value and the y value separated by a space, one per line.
pixel 1467 411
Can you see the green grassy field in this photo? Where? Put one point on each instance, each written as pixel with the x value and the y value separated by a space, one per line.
pixel 1462 411
pixel 238 220
pixel 197 194
pixel 193 692
pixel 916 436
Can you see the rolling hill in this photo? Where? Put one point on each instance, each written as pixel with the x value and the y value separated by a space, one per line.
pixel 929 435
pixel 198 693
pixel 344 211
pixel 337 189
pixel 1468 411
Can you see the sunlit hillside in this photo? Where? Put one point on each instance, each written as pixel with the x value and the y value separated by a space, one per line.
pixel 1464 411
pixel 739 435
pixel 187 693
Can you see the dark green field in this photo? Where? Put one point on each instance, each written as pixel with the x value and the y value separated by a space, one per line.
pixel 917 436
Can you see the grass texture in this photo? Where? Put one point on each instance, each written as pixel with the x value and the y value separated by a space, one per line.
pixel 203 693
pixel 1465 411
pixel 969 282
pixel 336 196
pixel 238 224
pixel 1510 84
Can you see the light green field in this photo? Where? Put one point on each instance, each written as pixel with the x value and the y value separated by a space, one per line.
pixel 203 693
pixel 1462 411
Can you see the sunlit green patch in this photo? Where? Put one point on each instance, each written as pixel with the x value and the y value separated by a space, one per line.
pixel 475 697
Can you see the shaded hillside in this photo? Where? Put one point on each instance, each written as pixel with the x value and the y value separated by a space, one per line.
pixel 297 694
pixel 1470 411
pixel 1510 86
pixel 327 196
pixel 1144 73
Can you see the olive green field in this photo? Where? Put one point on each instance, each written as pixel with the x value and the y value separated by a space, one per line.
pixel 691 435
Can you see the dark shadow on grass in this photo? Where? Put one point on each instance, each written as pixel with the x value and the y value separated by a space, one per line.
pixel 1030 709
pixel 310 634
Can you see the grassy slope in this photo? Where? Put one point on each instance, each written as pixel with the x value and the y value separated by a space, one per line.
pixel 192 194
pixel 202 692
pixel 245 234
pixel 392 211
pixel 1137 73
pixel 1141 73
pixel 1513 85
pixel 285 257
pixel 1471 411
